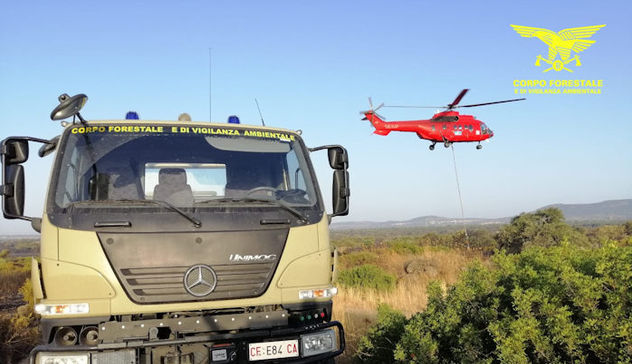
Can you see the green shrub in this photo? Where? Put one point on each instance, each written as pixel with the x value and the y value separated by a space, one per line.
pixel 367 276
pixel 405 248
pixel 545 305
pixel 542 228
pixel 358 258
pixel 378 344
pixel 13 273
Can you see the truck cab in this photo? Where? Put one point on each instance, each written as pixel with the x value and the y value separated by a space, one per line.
pixel 180 242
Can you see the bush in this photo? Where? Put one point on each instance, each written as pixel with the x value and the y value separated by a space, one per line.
pixel 358 258
pixel 18 334
pixel 542 228
pixel 13 274
pixel 379 343
pixel 18 329
pixel 367 276
pixel 544 305
pixel 405 248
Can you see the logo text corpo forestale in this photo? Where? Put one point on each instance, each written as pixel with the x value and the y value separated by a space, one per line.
pixel 562 56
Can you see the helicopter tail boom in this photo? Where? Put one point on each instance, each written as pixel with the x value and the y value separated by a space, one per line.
pixel 377 122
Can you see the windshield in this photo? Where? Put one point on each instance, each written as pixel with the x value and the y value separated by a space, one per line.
pixel 183 166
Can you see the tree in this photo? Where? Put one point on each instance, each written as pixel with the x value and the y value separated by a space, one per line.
pixel 542 228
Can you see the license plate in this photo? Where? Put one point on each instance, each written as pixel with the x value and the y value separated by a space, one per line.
pixel 273 350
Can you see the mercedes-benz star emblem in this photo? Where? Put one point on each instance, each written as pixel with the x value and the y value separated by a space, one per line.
pixel 200 280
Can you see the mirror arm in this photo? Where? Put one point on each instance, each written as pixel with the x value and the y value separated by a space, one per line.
pixel 29 139
pixel 322 147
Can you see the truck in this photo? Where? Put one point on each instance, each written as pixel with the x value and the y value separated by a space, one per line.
pixel 178 242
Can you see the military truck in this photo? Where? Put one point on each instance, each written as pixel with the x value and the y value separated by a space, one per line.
pixel 180 242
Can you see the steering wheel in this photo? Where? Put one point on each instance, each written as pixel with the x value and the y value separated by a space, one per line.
pixel 261 188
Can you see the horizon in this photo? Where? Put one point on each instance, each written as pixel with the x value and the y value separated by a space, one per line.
pixel 342 222
pixel 312 66
pixel 485 218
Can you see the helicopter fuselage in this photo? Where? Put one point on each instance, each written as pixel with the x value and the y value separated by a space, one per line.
pixel 446 126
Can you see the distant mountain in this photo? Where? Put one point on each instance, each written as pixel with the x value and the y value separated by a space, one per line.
pixel 422 221
pixel 612 210
pixel 601 212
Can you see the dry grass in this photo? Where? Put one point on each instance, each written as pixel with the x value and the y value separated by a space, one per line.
pixel 10 282
pixel 356 308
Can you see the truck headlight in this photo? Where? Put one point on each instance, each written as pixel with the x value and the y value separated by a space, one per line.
pixel 319 342
pixel 62 309
pixel 63 358
pixel 317 293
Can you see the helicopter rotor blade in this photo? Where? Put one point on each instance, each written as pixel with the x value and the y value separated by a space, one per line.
pixel 370 103
pixel 378 107
pixel 416 107
pixel 458 99
pixel 490 103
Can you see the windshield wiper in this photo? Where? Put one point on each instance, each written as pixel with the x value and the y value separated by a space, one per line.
pixel 197 223
pixel 278 203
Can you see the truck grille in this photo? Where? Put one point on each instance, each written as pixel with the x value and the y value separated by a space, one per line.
pixel 151 266
pixel 165 284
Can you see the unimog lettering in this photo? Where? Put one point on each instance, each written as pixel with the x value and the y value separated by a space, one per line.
pixel 252 258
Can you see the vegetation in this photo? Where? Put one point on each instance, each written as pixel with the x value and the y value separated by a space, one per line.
pixel 21 247
pixel 18 324
pixel 461 304
pixel 367 276
pixel 542 228
pixel 405 247
pixel 545 305
pixel 379 343
pixel 13 274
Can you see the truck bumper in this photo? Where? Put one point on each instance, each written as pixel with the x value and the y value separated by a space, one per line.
pixel 312 343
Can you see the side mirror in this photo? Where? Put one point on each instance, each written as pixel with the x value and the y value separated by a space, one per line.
pixel 13 191
pixel 340 192
pixel 339 162
pixel 15 151
pixel 338 157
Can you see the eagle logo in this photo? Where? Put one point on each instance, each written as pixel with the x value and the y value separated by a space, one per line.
pixel 563 43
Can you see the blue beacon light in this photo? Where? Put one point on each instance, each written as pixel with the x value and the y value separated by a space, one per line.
pixel 233 119
pixel 131 115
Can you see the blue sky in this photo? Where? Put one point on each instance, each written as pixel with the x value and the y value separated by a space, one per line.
pixel 312 66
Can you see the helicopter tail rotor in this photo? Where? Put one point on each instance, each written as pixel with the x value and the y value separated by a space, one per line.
pixel 372 110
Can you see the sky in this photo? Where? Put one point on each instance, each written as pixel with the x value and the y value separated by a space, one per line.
pixel 312 66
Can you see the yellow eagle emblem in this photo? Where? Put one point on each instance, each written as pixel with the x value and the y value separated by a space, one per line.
pixel 563 43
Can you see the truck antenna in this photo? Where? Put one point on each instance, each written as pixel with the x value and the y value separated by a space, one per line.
pixel 260 115
pixel 210 63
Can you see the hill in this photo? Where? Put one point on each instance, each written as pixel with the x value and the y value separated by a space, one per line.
pixel 612 211
pixel 606 211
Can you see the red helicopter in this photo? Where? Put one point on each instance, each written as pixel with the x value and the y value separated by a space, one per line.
pixel 446 126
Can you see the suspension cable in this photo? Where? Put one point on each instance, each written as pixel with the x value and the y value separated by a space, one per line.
pixel 458 188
